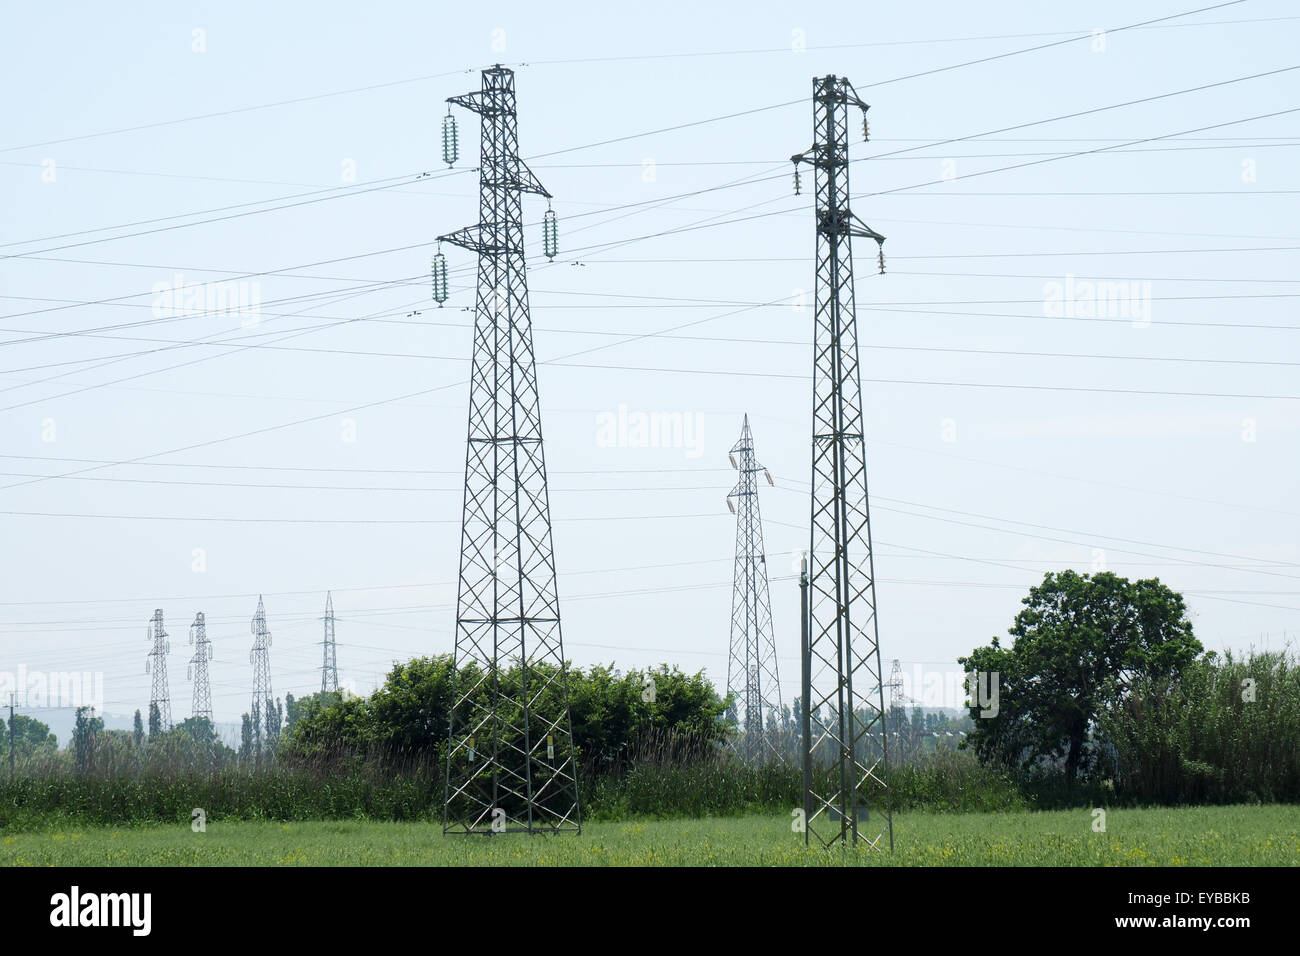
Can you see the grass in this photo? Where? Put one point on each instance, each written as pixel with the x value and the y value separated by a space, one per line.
pixel 1213 836
pixel 657 784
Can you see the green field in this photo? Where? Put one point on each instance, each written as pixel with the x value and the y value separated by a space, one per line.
pixel 1215 836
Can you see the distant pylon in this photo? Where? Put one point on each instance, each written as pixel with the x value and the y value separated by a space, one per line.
pixel 260 658
pixel 329 670
pixel 896 696
pixel 510 758
pixel 156 664
pixel 751 664
pixel 849 803
pixel 199 668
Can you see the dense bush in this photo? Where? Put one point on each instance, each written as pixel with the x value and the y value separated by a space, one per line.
pixel 1225 731
pixel 405 721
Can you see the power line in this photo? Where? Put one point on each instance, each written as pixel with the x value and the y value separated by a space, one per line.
pixel 1119 194
pixel 1162 493
pixel 345 470
pixel 346 189
pixel 1096 320
pixel 1089 112
pixel 229 112
pixel 639 205
pixel 1084 152
pixel 148 372
pixel 418 356
pixel 1046 46
pixel 1151 24
pixel 337 192
pixel 1006 275
pixel 320 521
pixel 1075 35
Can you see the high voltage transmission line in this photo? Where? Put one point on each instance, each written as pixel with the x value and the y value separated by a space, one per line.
pixel 199 668
pixel 156 665
pixel 846 774
pixel 329 614
pixel 263 701
pixel 339 191
pixel 329 671
pixel 1079 36
pixel 751 661
pixel 180 344
pixel 510 757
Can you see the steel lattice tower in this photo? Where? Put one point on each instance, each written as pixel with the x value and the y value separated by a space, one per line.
pixel 156 665
pixel 849 799
pixel 895 684
pixel 510 763
pixel 260 658
pixel 751 663
pixel 199 667
pixel 329 670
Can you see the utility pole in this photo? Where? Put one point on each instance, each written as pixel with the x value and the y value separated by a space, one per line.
pixel 11 735
pixel 260 658
pixel 156 663
pixel 751 663
pixel 510 763
pixel 844 640
pixel 329 670
pixel 202 706
pixel 805 692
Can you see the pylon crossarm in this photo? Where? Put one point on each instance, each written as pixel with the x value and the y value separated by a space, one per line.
pixel 863 231
pixel 476 102
pixel 529 183
pixel 470 238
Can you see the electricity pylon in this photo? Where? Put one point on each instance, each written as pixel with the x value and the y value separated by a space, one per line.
pixel 751 663
pixel 895 684
pixel 156 664
pixel 329 670
pixel 199 668
pixel 510 764
pixel 849 803
pixel 260 658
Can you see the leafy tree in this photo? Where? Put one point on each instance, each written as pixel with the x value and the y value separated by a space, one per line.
pixel 1079 642
pixel 246 737
pixel 274 718
pixel 137 729
pixel 197 729
pixel 30 735
pixel 155 721
pixel 85 729
pixel 259 718
pixel 193 744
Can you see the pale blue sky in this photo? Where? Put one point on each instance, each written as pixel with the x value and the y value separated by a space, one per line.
pixel 969 260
